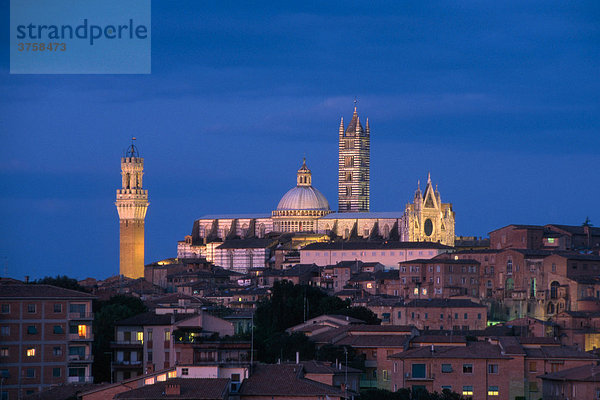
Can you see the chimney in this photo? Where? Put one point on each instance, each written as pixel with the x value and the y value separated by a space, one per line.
pixel 173 389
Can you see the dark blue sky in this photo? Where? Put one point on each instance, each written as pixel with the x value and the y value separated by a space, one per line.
pixel 500 102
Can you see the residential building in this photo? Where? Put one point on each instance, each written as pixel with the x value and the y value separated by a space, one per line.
pixel 573 383
pixel 146 342
pixel 45 337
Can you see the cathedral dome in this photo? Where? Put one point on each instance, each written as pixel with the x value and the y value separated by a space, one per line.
pixel 303 198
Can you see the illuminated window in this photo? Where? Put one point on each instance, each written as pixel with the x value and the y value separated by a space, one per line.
pixel 140 336
pixel 550 240
pixel 493 391
pixel 467 391
pixel 416 291
pixel 172 374
pixel 149 381
pixel 424 291
pixel 239 299
pixel 82 330
pixel 370 285
pixel 31 352
pixel 161 378
pixel 167 335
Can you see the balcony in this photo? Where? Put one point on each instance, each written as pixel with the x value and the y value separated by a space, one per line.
pixel 127 344
pixel 81 315
pixel 127 364
pixel 427 377
pixel 77 337
pixel 366 383
pixel 84 359
pixel 80 379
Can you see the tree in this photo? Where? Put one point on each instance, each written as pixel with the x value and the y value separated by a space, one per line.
pixel 107 313
pixel 62 281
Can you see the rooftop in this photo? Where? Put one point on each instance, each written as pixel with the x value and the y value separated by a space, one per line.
pixel 366 245
pixel 284 380
pixel 190 388
pixel 457 303
pixel 34 291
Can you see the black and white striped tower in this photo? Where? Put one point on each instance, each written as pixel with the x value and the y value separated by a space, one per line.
pixel 354 162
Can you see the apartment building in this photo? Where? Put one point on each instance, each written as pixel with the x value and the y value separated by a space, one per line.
pixel 45 338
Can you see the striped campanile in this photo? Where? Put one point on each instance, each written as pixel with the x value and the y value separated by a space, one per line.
pixel 354 166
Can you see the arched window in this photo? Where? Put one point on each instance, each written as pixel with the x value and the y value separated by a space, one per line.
pixel 250 258
pixel 509 285
pixel 261 231
pixel 509 266
pixel 230 258
pixel 386 231
pixel 554 290
pixel 346 233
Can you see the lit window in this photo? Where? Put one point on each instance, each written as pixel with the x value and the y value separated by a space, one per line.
pixel 424 291
pixel 161 378
pixel 493 391
pixel 370 285
pixel 467 391
pixel 31 352
pixel 167 335
pixel 172 374
pixel 149 381
pixel 140 336
pixel 416 291
pixel 82 330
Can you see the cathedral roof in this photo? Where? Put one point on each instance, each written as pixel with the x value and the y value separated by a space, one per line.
pixel 303 198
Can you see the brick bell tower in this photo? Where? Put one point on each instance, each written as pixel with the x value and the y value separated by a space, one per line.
pixel 132 203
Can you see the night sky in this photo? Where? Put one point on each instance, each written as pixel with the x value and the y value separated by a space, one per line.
pixel 500 102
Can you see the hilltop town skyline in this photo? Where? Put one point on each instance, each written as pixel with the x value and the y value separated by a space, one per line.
pixel 498 103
